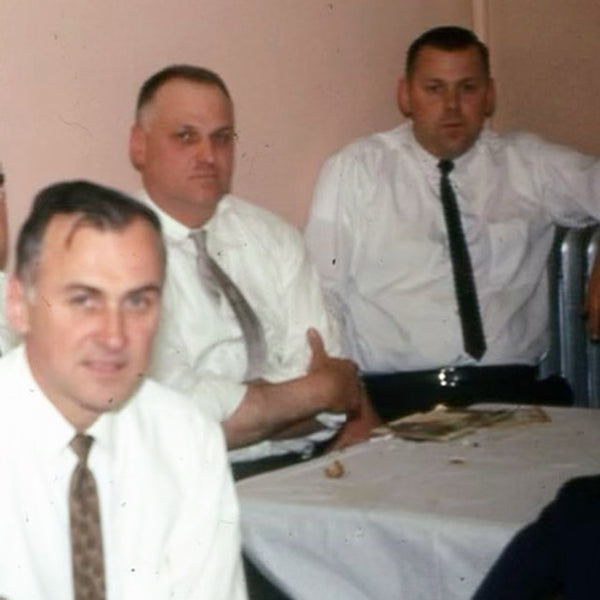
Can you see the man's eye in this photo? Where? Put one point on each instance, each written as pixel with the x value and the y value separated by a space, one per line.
pixel 138 303
pixel 223 139
pixel 84 300
pixel 185 136
pixel 433 87
pixel 141 302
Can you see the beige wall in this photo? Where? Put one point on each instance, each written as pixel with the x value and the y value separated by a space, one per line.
pixel 545 60
pixel 307 76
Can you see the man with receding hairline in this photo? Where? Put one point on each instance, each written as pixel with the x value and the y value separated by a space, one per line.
pixel 157 516
pixel 279 407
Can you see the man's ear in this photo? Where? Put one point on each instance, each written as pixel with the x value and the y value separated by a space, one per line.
pixel 137 146
pixel 403 98
pixel 17 308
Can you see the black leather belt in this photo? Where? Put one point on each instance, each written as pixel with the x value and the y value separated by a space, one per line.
pixel 449 377
pixel 396 394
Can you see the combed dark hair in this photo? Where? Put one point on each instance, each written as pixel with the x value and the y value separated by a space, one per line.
pixel 97 206
pixel 449 37
pixel 186 72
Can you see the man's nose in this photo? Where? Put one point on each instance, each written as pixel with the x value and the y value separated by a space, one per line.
pixel 451 99
pixel 114 331
pixel 205 151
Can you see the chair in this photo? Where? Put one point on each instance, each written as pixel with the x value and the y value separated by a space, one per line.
pixel 571 354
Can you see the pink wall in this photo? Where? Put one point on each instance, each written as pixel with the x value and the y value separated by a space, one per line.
pixel 545 60
pixel 307 76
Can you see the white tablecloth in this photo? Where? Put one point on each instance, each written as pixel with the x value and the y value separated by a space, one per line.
pixel 411 520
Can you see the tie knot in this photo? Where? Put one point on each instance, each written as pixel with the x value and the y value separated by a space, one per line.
pixel 198 236
pixel 445 166
pixel 81 444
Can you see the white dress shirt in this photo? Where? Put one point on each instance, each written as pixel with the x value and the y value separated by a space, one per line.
pixel 8 338
pixel 377 234
pixel 200 349
pixel 169 515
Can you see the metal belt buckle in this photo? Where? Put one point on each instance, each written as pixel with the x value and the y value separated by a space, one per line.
pixel 448 377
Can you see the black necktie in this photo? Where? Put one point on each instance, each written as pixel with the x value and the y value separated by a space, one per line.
pixel 86 535
pixel 216 282
pixel 464 282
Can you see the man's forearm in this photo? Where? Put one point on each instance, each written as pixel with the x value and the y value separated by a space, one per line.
pixel 275 410
pixel 330 384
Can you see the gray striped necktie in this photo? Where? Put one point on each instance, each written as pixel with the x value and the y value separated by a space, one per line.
pixel 86 535
pixel 216 281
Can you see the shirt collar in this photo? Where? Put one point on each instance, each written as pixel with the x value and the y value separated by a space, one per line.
pixel 426 159
pixel 51 431
pixel 173 229
pixel 430 162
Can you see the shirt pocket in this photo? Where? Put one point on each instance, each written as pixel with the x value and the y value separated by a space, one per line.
pixel 388 264
pixel 507 251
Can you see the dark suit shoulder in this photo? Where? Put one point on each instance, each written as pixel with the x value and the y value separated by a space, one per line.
pixel 581 486
pixel 580 494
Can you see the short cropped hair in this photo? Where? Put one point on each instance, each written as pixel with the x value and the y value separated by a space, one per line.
pixel 96 206
pixel 186 72
pixel 448 38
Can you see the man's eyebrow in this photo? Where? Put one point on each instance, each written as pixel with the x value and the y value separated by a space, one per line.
pixel 81 287
pixel 190 127
pixel 222 129
pixel 150 287
pixel 90 289
pixel 437 79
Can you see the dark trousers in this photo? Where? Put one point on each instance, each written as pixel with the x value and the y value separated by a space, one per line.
pixel 259 586
pixel 394 395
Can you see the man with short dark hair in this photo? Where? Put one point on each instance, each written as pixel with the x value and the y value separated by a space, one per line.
pixel 432 239
pixel 262 362
pixel 113 485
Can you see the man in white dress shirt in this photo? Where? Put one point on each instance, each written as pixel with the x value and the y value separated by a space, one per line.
pixel 86 297
pixel 7 337
pixel 378 235
pixel 182 143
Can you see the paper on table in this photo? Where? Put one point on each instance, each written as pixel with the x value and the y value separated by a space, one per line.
pixel 443 423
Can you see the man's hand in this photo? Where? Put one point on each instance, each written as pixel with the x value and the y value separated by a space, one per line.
pixel 358 427
pixel 335 379
pixel 279 410
pixel 345 393
pixel 592 301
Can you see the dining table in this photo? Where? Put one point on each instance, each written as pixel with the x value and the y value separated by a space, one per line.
pixel 391 518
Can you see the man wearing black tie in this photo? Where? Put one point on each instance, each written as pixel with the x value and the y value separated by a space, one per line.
pixel 244 332
pixel 432 238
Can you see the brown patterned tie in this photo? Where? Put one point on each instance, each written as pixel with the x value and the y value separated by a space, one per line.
pixel 217 281
pixel 86 536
